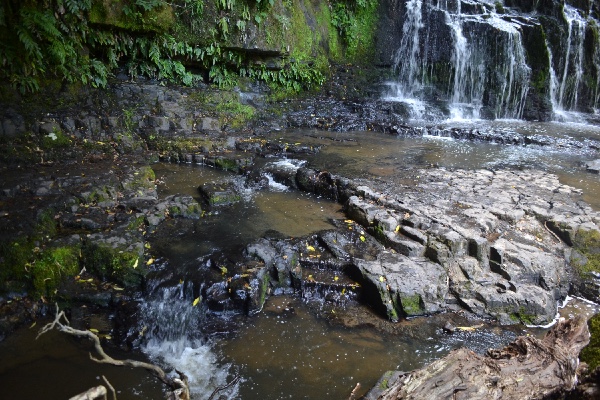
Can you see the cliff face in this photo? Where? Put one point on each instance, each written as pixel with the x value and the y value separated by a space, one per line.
pixel 286 43
pixel 508 59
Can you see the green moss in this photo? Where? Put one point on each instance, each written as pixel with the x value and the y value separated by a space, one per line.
pixel 51 266
pixel 156 16
pixel 55 140
pixel 108 263
pixel 226 164
pixel 412 305
pixel 222 199
pixel 137 224
pixel 587 243
pixel 591 353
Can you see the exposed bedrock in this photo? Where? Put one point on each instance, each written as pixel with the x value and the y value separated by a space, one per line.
pixel 499 244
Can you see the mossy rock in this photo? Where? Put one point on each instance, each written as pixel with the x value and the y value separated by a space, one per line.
pixel 52 266
pixel 412 305
pixel 219 194
pixel 113 264
pixel 128 16
pixel 587 245
pixel 591 353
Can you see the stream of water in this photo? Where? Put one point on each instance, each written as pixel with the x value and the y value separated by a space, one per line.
pixel 289 349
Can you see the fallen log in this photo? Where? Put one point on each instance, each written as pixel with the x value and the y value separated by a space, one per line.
pixel 528 368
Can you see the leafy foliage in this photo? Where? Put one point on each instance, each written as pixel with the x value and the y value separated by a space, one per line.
pixel 60 39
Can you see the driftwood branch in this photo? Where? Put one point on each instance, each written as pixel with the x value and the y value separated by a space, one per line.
pixel 179 386
pixel 527 368
pixel 220 388
pixel 95 393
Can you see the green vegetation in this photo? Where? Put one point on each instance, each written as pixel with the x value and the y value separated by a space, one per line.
pixel 522 316
pixel 591 353
pixel 412 305
pixel 587 245
pixel 51 266
pixel 113 264
pixel 29 264
pixel 182 41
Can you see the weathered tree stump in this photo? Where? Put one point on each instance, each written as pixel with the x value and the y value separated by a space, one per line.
pixel 528 368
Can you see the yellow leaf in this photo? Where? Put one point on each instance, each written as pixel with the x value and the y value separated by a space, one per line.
pixel 93 330
pixel 118 288
pixel 223 270
pixel 362 238
pixel 343 291
pixel 135 264
pixel 32 325
pixel 107 337
pixel 310 248
pixel 147 245
pixel 381 279
pixel 90 280
pixel 336 278
pixel 397 229
pixel 196 301
pixel 348 221
pixel 150 261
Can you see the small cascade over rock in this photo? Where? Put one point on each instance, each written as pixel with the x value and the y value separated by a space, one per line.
pixel 490 60
pixel 171 321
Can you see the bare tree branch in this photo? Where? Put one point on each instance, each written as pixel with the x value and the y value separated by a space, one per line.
pixel 98 392
pixel 220 388
pixel 178 386
pixel 112 389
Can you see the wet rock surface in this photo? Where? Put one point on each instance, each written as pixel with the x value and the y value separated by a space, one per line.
pixel 494 243
pixel 527 367
pixel 498 245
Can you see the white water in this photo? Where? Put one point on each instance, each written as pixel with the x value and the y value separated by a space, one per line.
pixel 172 325
pixel 480 67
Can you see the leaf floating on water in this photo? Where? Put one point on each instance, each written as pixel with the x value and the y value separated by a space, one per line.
pixel 223 269
pixel 309 247
pixel 107 337
pixel 147 245
pixel 343 291
pixel 135 264
pixel 310 278
pixel 150 261
pixel 93 330
pixel 336 278
pixel 32 325
pixel 196 301
pixel 362 238
pixel 397 229
pixel 348 221
pixel 117 288
pixel 382 279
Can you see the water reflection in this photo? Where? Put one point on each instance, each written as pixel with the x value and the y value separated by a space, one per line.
pixel 288 352
pixel 376 155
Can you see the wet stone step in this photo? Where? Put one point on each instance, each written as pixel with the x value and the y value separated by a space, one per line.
pixel 328 285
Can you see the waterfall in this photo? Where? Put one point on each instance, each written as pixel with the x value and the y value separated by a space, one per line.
pixel 565 93
pixel 486 66
pixel 172 326
pixel 408 58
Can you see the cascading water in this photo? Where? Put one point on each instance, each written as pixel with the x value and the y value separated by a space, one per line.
pixel 567 70
pixel 171 322
pixel 486 68
pixel 409 68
